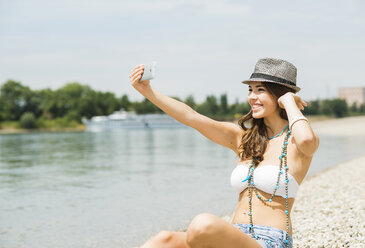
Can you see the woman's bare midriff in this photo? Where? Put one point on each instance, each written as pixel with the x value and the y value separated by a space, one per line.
pixel 267 214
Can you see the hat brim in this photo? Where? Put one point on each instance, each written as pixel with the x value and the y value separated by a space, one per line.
pixel 296 88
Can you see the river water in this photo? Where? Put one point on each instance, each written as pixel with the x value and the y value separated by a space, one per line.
pixel 117 188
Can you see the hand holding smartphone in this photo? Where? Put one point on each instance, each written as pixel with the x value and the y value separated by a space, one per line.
pixel 149 71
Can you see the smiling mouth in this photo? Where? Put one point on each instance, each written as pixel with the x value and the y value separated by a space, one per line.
pixel 256 107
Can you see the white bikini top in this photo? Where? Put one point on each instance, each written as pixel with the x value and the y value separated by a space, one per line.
pixel 265 178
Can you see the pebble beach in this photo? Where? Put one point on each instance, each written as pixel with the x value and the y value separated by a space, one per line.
pixel 329 210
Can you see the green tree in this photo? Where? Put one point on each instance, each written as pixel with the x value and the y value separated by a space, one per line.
pixel 354 108
pixel 239 109
pixel 15 99
pixel 89 104
pixel 28 120
pixel 75 101
pixel 334 107
pixel 69 98
pixel 362 108
pixel 209 107
pixel 190 101
pixel 107 103
pixel 339 107
pixel 326 107
pixel 125 103
pixel 312 108
pixel 48 104
pixel 145 107
pixel 223 104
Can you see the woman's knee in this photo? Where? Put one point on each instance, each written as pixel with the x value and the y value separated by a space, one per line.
pixel 160 240
pixel 201 227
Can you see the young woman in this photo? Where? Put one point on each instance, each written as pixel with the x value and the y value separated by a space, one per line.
pixel 274 153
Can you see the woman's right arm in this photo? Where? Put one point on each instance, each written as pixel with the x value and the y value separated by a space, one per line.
pixel 224 133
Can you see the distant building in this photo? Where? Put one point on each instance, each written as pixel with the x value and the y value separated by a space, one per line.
pixel 352 95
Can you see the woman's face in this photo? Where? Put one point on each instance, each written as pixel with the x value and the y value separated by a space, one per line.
pixel 263 104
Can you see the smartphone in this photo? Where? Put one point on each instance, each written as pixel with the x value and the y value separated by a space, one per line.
pixel 149 71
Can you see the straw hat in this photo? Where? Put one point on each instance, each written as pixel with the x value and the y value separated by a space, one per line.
pixel 275 71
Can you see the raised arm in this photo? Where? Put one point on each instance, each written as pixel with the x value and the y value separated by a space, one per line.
pixel 226 134
pixel 305 138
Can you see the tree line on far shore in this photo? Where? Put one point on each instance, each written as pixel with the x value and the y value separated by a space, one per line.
pixel 21 106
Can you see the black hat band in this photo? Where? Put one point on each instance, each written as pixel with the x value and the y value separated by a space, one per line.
pixel 272 78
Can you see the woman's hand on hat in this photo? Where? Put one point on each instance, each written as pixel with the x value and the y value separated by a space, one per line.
pixel 291 97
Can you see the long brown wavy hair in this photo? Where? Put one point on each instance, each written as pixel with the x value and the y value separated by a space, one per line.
pixel 254 140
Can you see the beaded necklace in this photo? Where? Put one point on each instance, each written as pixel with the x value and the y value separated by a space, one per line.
pixel 251 184
pixel 282 131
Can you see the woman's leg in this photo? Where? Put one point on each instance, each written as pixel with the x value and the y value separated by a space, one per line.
pixel 167 239
pixel 207 230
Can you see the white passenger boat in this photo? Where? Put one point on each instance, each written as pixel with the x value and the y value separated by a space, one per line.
pixel 130 120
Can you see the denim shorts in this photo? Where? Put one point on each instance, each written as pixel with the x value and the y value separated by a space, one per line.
pixel 268 236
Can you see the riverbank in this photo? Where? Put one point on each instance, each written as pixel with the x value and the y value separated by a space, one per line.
pixel 4 131
pixel 321 124
pixel 348 126
pixel 329 210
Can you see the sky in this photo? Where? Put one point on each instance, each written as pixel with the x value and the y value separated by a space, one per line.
pixel 202 47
